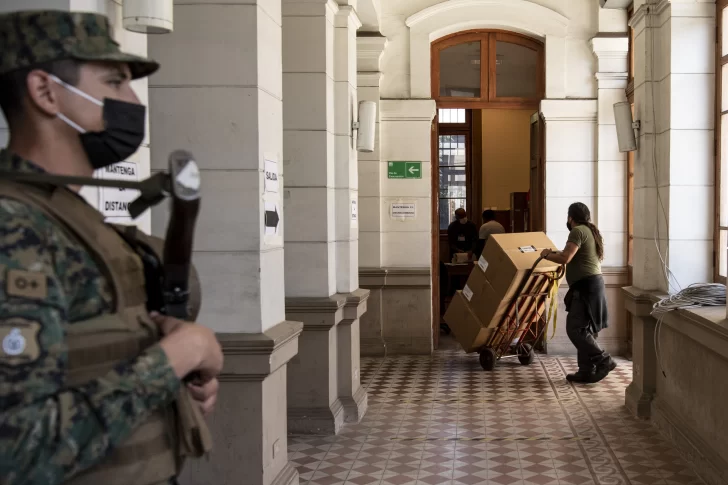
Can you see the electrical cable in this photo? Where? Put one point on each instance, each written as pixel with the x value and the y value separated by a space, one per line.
pixel 694 296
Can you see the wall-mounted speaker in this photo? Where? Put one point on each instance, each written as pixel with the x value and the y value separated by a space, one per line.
pixel 367 126
pixel 626 127
pixel 148 16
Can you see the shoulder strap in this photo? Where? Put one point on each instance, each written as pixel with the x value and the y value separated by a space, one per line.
pixel 87 225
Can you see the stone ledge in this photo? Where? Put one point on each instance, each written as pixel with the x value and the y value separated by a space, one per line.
pixel 316 313
pixel 393 277
pixel 705 461
pixel 356 305
pixel 253 357
pixel 708 325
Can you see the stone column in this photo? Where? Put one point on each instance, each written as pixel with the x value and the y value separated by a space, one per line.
pixel 610 211
pixel 370 47
pixel 347 212
pixel 346 178
pixel 219 94
pixel 675 147
pixel 308 134
pixel 318 204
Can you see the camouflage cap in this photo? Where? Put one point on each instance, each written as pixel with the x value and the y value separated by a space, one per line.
pixel 33 37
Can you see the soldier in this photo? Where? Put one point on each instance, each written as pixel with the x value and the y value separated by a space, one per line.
pixel 92 388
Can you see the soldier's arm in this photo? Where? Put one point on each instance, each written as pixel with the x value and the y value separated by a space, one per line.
pixel 49 432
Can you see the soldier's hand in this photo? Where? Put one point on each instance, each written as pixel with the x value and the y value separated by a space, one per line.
pixel 205 394
pixel 190 348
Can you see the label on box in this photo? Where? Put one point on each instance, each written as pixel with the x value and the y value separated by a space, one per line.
pixel 527 249
pixel 467 293
pixel 483 264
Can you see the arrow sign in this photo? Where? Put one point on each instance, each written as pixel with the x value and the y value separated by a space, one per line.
pixel 404 170
pixel 272 219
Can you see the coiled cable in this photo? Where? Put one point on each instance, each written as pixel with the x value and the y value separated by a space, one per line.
pixel 694 296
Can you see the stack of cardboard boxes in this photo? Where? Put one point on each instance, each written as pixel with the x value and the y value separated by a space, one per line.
pixel 505 265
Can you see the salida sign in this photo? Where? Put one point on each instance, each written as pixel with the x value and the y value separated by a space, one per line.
pixel 115 202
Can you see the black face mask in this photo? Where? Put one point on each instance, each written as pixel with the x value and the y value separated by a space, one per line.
pixel 124 127
pixel 124 132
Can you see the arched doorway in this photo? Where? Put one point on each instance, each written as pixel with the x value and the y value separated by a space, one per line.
pixel 487 144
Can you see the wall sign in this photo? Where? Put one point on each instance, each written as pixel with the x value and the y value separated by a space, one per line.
pixel 115 202
pixel 403 210
pixel 404 170
pixel 272 184
pixel 354 211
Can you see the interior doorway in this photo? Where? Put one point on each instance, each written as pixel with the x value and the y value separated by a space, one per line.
pixel 487 143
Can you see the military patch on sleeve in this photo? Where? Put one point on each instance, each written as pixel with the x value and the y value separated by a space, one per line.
pixel 19 343
pixel 26 284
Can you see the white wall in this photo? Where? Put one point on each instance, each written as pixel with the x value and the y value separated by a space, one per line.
pixel 405 136
pixel 581 65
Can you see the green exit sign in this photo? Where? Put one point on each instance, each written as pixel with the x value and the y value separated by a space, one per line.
pixel 404 170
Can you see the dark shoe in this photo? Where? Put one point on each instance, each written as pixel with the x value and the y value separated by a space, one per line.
pixel 603 369
pixel 582 377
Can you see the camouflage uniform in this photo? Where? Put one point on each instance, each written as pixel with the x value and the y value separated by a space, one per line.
pixel 49 432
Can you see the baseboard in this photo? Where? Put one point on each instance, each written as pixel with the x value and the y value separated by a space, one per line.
pixel 371 347
pixel 316 420
pixel 408 345
pixel 705 462
pixel 287 476
pixel 638 402
pixel 355 407
pixel 563 346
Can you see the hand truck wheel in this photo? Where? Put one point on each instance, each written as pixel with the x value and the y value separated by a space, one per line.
pixel 487 358
pixel 525 354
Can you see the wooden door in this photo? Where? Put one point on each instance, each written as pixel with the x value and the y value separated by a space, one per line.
pixel 435 236
pixel 537 196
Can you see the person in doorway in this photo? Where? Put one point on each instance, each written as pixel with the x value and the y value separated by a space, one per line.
pixel 585 301
pixel 490 226
pixel 462 235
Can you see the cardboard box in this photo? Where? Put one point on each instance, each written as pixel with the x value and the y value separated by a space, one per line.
pixel 508 258
pixel 465 325
pixel 482 298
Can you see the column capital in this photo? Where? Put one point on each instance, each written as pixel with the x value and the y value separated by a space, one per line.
pixel 611 52
pixel 346 16
pixel 369 50
pixel 297 8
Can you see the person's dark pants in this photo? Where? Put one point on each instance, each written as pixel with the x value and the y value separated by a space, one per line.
pixel 589 353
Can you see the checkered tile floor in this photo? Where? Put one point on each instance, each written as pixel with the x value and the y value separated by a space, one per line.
pixel 443 420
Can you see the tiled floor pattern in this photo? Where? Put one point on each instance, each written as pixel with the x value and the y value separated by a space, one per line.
pixel 443 420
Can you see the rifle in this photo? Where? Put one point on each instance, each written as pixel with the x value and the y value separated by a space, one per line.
pixel 167 280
